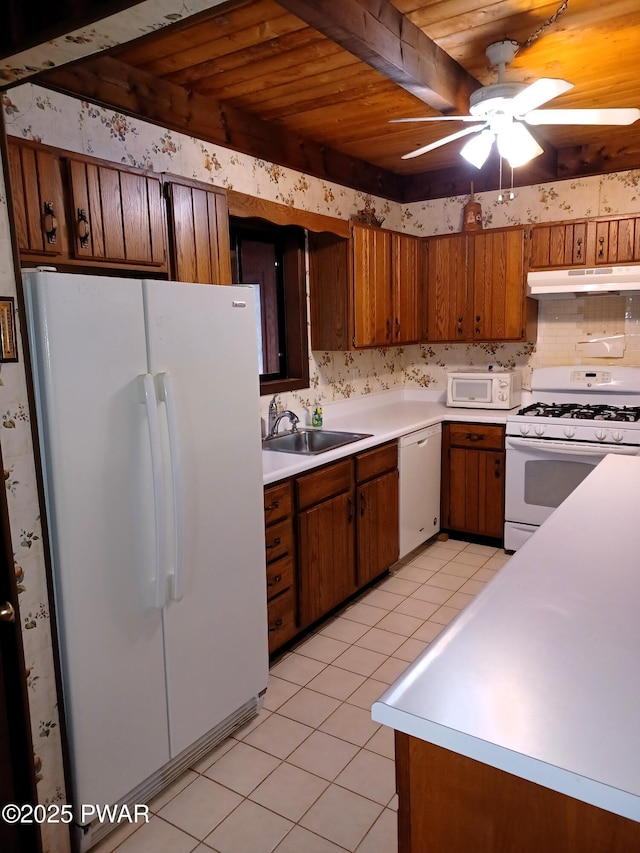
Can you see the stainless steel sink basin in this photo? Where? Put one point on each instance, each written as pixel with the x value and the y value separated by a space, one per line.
pixel 311 441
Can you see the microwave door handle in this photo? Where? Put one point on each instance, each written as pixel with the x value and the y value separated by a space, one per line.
pixel 547 447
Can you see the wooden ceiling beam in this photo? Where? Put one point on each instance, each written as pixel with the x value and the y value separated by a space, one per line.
pixel 113 84
pixel 378 34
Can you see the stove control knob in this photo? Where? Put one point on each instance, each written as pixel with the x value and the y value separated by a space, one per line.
pixel 617 435
pixel 569 432
pixel 601 435
pixel 539 430
pixel 524 429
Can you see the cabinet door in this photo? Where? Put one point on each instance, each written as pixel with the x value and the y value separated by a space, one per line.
pixel 475 491
pixel 560 245
pixel 447 311
pixel 372 291
pixel 618 241
pixel 118 215
pixel 407 289
pixel 498 281
pixel 378 533
pixel 38 206
pixel 326 556
pixel 199 234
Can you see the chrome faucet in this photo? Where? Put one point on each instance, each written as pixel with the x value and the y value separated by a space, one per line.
pixel 273 414
pixel 293 418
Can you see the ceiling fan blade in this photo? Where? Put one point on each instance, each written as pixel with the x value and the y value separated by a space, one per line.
pixel 611 116
pixel 434 118
pixel 443 141
pixel 538 93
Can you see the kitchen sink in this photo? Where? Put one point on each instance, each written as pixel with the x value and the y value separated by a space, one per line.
pixel 311 441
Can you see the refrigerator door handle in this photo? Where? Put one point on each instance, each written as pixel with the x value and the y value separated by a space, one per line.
pixel 149 400
pixel 167 395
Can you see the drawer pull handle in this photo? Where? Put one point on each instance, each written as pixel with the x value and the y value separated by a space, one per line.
pixel 276 579
pixel 275 543
pixel 350 510
pixel 278 624
pixel 272 506
pixel 363 504
pixel 474 436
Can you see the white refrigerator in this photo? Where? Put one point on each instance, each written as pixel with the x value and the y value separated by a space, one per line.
pixel 147 398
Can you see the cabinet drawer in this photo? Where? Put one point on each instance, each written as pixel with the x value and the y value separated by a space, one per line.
pixel 375 462
pixel 281 619
pixel 277 502
pixel 279 540
pixel 279 576
pixel 323 484
pixel 478 436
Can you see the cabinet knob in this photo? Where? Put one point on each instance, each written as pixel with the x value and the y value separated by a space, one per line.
pixel 276 580
pixel 275 543
pixel 363 503
pixel 49 222
pixel 349 510
pixel 278 624
pixel 82 228
pixel 272 506
pixel 474 436
pixel 497 470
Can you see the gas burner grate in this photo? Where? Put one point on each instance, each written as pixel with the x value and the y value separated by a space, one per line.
pixel 594 412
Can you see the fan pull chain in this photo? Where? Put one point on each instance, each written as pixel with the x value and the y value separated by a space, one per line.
pixel 536 35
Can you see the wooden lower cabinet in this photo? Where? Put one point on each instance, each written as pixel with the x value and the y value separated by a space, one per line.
pixel 449 803
pixel 326 549
pixel 326 544
pixel 473 464
pixel 346 535
pixel 377 512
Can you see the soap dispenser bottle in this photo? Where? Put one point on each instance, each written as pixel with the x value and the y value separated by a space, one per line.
pixel 316 418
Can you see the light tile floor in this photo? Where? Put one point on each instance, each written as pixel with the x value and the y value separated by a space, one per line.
pixel 312 773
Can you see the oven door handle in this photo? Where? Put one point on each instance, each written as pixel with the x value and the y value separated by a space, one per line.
pixel 546 446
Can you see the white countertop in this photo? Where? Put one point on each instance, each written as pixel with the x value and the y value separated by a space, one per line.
pixel 540 675
pixel 386 416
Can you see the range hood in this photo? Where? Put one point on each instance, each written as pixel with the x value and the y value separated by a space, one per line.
pixel 578 282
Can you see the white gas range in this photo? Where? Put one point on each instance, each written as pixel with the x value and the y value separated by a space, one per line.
pixel 578 415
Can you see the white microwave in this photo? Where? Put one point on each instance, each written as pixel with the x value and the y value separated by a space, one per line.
pixel 484 389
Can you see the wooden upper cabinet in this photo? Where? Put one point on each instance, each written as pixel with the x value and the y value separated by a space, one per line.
pixel 199 229
pixel 372 290
pixel 562 244
pixel 476 287
pixel 447 303
pixel 409 318
pixel 617 241
pixel 366 291
pixel 117 215
pixel 35 175
pixel 498 285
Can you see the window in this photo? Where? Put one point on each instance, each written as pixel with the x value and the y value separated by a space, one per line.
pixel 271 258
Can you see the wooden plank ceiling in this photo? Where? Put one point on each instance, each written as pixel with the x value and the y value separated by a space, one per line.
pixel 312 84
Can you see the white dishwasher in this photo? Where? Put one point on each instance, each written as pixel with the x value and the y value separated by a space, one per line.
pixel 419 465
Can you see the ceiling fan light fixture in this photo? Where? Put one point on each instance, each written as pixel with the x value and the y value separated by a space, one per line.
pixel 476 150
pixel 517 146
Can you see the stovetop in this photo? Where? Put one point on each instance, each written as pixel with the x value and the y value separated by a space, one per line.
pixel 581 411
pixel 588 404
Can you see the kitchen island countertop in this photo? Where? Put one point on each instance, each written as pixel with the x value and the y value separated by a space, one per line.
pixel 385 416
pixel 539 675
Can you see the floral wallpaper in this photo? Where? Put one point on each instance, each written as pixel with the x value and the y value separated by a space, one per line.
pixel 126 25
pixel 34 113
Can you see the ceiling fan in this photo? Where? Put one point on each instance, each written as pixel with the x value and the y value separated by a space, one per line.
pixel 504 109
